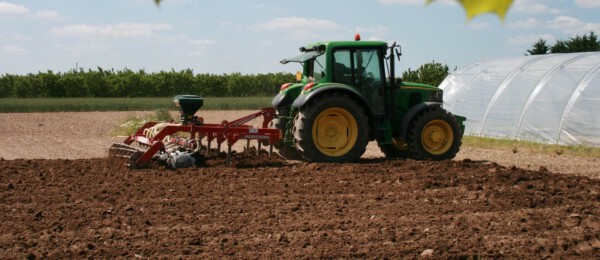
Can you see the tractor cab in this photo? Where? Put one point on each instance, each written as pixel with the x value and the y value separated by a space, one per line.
pixel 357 66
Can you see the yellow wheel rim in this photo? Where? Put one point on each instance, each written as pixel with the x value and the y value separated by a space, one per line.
pixel 335 132
pixel 437 137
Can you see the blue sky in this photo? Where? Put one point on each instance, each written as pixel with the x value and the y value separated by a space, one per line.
pixel 253 36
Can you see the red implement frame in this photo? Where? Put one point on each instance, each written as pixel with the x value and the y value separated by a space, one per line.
pixel 226 131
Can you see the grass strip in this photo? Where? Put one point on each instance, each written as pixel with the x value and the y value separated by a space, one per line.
pixel 28 105
pixel 517 146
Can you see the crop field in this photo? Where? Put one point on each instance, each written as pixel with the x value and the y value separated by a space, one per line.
pixel 61 197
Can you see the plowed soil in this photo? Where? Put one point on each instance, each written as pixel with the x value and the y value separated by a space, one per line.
pixel 265 207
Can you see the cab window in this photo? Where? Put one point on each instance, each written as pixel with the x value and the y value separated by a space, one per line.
pixel 319 68
pixel 368 70
pixel 342 67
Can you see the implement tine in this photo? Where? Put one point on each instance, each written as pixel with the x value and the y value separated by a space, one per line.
pixel 124 151
pixel 247 148
pixel 228 154
pixel 208 148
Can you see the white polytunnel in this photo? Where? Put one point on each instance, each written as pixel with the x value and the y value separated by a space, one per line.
pixel 552 98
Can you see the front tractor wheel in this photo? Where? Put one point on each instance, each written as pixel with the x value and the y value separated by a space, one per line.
pixel 434 134
pixel 331 128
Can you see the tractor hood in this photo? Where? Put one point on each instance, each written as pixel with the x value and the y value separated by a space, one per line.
pixel 418 85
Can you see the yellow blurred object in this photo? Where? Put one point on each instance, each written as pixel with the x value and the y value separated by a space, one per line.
pixel 477 7
pixel 298 76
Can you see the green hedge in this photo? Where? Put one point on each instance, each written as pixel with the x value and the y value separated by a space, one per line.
pixel 127 83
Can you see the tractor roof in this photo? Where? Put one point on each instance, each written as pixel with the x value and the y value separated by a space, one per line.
pixel 318 48
pixel 335 44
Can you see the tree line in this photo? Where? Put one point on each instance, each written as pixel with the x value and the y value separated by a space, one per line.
pixel 128 83
pixel 432 73
pixel 579 43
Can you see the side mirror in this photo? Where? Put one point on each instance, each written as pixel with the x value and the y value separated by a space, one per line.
pixel 399 52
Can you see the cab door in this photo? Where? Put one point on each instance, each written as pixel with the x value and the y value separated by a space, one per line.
pixel 370 78
pixel 363 69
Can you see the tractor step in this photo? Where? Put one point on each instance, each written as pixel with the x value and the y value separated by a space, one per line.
pixel 384 133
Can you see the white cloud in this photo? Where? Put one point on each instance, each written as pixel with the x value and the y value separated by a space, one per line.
pixel 12 9
pixel 533 7
pixel 587 3
pixel 530 39
pixel 12 49
pixel 564 22
pixel 202 42
pixel 414 2
pixel 296 23
pixel 162 3
pixel 266 43
pixel 568 25
pixel 573 26
pixel 200 46
pixel 374 38
pixel 373 31
pixel 20 37
pixel 297 27
pixel 526 24
pixel 47 14
pixel 270 8
pixel 478 25
pixel 8 9
pixel 112 30
pixel 83 49
pixel 388 2
pixel 226 23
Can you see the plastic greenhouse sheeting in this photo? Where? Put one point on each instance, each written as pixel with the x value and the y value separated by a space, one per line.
pixel 551 98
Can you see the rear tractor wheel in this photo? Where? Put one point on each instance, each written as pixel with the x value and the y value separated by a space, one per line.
pixel 434 134
pixel 331 128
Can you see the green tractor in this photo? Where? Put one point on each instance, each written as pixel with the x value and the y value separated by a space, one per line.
pixel 348 95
